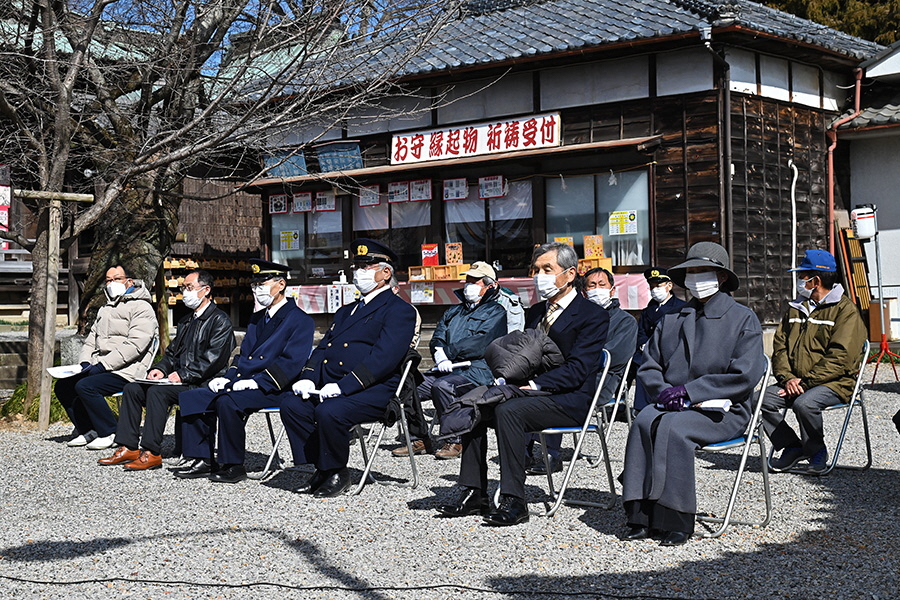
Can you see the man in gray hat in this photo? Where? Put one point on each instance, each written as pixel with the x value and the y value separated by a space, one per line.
pixel 462 335
pixel 710 349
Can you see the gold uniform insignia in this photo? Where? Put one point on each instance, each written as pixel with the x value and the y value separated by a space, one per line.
pixel 654 273
pixel 362 250
pixel 254 268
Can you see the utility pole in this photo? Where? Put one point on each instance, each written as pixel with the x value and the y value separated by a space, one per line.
pixel 56 199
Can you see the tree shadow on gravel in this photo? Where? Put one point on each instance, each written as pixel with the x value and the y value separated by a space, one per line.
pixel 347 582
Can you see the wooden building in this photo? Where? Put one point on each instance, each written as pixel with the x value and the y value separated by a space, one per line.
pixel 654 124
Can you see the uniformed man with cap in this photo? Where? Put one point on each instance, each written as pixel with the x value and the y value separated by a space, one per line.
pixel 278 341
pixel 662 302
pixel 354 370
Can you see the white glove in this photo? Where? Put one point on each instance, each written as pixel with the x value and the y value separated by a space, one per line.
pixel 245 384
pixel 303 387
pixel 439 356
pixel 218 384
pixel 330 390
pixel 445 366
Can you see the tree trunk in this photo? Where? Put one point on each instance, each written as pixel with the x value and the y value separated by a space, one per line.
pixel 36 319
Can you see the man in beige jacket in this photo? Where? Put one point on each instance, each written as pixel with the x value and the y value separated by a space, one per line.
pixel 119 349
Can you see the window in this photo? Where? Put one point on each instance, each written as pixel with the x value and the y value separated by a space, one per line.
pixel 614 205
pixel 310 243
pixel 403 226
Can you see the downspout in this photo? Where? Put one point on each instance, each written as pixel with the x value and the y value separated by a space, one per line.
pixel 727 219
pixel 831 133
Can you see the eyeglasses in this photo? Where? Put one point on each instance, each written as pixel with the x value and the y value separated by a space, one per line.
pixel 190 288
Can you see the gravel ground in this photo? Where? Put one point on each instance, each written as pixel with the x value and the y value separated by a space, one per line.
pixel 72 529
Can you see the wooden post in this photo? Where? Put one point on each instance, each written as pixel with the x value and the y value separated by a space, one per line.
pixel 55 219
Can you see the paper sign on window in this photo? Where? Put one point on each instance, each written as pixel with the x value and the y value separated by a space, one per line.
pixel 302 202
pixel 370 195
pixel 420 190
pixel 623 222
pixel 278 204
pixel 398 191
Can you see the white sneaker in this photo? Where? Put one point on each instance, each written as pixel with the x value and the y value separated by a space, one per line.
pixel 83 439
pixel 102 443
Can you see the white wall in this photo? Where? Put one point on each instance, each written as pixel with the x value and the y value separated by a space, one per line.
pixel 875 179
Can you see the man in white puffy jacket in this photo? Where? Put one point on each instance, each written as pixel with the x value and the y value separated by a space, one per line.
pixel 119 349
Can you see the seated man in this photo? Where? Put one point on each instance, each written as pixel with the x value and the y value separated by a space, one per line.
pixel 662 302
pixel 599 288
pixel 277 343
pixel 355 369
pixel 118 350
pixel 710 349
pixel 200 351
pixel 815 359
pixel 462 334
pixel 578 327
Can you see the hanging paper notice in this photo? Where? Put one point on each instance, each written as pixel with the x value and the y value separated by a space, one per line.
pixel 454 253
pixel 490 187
pixel 325 201
pixel 278 204
pixel 398 191
pixel 456 189
pixel 593 246
pixel 422 293
pixel 420 190
pixel 623 222
pixel 370 195
pixel 290 240
pixel 302 202
pixel 565 239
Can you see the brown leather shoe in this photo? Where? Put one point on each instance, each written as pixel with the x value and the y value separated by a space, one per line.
pixel 418 447
pixel 449 451
pixel 146 461
pixel 121 455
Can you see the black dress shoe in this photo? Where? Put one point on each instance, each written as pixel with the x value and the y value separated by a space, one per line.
pixel 636 532
pixel 675 538
pixel 200 468
pixel 539 468
pixel 313 483
pixel 334 485
pixel 512 511
pixel 183 464
pixel 229 474
pixel 470 502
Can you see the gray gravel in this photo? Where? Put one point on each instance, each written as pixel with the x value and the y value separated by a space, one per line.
pixel 99 532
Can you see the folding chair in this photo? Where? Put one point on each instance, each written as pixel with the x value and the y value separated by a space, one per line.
pixel 579 433
pixel 396 409
pixel 618 400
pixel 753 436
pixel 856 399
pixel 274 462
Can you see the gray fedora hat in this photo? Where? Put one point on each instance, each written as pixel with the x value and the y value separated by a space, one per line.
pixel 706 254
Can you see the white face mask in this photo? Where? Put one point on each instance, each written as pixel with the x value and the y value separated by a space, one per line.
pixel 659 293
pixel 262 295
pixel 801 288
pixel 702 285
pixel 364 280
pixel 114 289
pixel 545 284
pixel 192 299
pixel 472 292
pixel 601 296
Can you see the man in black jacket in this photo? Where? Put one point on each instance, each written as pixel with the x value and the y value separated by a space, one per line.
pixel 579 329
pixel 199 352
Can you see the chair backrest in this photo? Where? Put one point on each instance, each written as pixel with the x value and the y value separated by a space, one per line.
pixel 605 361
pixel 863 360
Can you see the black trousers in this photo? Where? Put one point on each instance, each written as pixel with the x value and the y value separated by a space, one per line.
pixel 514 420
pixel 158 399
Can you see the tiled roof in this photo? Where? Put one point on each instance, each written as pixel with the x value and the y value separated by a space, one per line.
pixel 498 30
pixel 882 110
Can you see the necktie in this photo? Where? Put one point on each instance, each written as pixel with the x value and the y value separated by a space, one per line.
pixel 552 307
pixel 268 317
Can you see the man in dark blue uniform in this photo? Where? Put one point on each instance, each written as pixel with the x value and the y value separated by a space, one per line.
pixel 662 302
pixel 353 373
pixel 277 344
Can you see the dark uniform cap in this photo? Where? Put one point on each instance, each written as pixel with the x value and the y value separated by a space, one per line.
pixel 266 269
pixel 656 276
pixel 369 251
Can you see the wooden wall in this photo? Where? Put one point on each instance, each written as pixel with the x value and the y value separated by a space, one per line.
pixel 225 224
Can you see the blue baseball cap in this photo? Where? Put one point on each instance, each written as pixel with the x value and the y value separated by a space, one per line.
pixel 817 260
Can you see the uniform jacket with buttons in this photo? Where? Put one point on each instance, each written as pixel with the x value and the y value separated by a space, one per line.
pixel 820 344
pixel 273 353
pixel 365 344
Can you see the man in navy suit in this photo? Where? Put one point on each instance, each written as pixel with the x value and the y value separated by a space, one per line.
pixel 353 373
pixel 579 328
pixel 277 344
